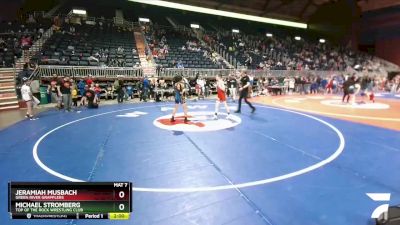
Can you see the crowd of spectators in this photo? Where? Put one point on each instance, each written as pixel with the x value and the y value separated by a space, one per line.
pixel 68 93
pixel 180 48
pixel 17 37
pixel 71 93
pixel 287 53
pixel 158 48
pixel 393 84
pixel 79 41
pixel 333 84
pixel 252 51
pixel 89 43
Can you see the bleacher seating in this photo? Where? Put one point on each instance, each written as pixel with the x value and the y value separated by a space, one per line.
pixel 11 34
pixel 187 58
pixel 91 45
pixel 284 52
pixel 280 52
pixel 97 45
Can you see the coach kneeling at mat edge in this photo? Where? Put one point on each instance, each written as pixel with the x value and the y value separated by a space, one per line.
pixel 90 97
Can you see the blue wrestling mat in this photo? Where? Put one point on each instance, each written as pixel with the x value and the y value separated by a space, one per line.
pixel 277 166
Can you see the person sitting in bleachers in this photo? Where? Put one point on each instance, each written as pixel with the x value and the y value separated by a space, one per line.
pixel 155 53
pixel 26 42
pixel 205 54
pixel 72 30
pixel 120 50
pixel 179 64
pixel 165 49
pixel 249 60
pixel 93 58
pixel 57 23
pixel 163 39
pixel 2 43
pixel 31 19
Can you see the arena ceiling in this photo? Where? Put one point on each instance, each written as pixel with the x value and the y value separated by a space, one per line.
pixel 371 5
pixel 295 10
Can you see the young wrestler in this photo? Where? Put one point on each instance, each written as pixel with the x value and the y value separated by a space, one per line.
pixel 221 97
pixel 180 97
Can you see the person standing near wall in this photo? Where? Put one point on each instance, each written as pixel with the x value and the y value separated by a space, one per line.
pixel 146 88
pixel 65 89
pixel 118 86
pixel 27 96
pixel 232 85
pixel 81 86
pixel 54 91
pixel 35 87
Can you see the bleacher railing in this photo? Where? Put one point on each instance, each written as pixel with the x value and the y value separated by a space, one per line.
pixel 130 72
pixel 39 14
pixel 83 71
pixel 170 72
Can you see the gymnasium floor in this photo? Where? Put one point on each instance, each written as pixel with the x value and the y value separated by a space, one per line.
pixel 295 161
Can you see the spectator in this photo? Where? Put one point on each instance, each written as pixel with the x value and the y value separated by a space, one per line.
pixel 249 61
pixel 35 87
pixel 72 30
pixel 31 19
pixel 129 91
pixel 201 84
pixel 97 90
pixel 180 64
pixel 26 72
pixel 74 95
pixel 93 58
pixel 54 90
pixel 286 83
pixel 27 96
pixel 165 50
pixel 118 87
pixel 65 89
pixel 232 85
pixel 26 42
pixel 145 88
pixel 89 80
pixel 90 98
pixel 81 86
pixel 120 50
pixel 291 85
pixel 40 32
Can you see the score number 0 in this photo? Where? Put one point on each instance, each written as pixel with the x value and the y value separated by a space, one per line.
pixel 121 195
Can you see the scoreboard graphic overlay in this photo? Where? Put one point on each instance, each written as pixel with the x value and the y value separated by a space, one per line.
pixel 66 200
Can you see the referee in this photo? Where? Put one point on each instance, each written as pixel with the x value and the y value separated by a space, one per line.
pixel 244 92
